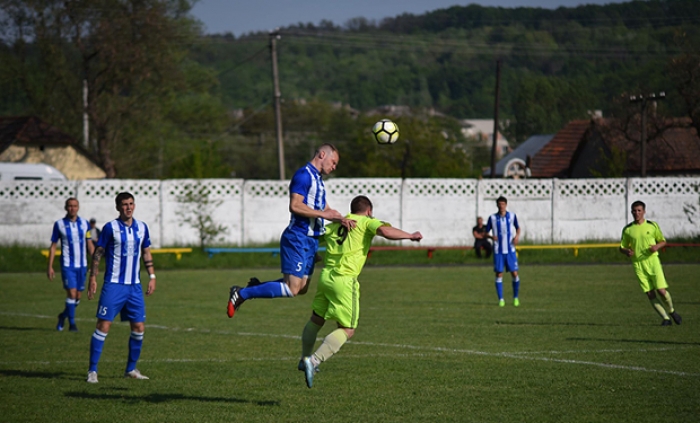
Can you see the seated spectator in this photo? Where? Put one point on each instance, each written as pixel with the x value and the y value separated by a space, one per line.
pixel 481 238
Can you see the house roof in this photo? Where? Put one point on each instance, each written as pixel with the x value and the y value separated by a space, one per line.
pixel 27 131
pixel 554 159
pixel 529 147
pixel 24 130
pixel 676 150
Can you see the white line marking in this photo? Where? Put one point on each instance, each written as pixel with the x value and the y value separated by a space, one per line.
pixel 515 355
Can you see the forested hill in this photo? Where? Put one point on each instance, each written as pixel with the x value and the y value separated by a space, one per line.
pixel 166 101
pixel 634 14
pixel 557 65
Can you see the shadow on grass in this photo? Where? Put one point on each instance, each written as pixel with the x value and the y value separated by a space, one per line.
pixel 30 374
pixel 17 328
pixel 162 398
pixel 634 341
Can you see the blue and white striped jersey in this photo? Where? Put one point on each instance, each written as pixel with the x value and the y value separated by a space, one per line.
pixel 73 236
pixel 308 183
pixel 503 227
pixel 123 246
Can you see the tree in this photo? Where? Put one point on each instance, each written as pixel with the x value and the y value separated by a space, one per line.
pixel 197 209
pixel 128 53
pixel 685 73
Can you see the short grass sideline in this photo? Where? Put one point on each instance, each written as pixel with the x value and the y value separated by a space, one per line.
pixel 432 346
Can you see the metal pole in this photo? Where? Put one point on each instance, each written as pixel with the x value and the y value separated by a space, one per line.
pixel 495 120
pixel 274 36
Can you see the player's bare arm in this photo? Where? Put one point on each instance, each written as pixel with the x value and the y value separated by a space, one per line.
pixel 627 251
pixel 52 253
pixel 517 237
pixel 148 264
pixel 90 246
pixel 657 247
pixel 94 270
pixel 392 233
pixel 297 206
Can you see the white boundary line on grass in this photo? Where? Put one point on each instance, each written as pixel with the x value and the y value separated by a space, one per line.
pixel 516 355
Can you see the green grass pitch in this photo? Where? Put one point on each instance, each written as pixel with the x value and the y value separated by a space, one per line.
pixel 432 345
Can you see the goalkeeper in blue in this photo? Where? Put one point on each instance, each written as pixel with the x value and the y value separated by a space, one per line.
pixel 641 241
pixel 338 293
pixel 506 233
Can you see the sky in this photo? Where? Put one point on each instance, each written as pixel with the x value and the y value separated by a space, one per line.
pixel 243 16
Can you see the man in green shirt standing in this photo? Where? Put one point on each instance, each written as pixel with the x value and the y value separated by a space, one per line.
pixel 641 241
pixel 338 293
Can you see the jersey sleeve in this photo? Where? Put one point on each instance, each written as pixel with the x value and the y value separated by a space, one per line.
pixel 624 239
pixel 488 225
pixel 300 183
pixel 374 224
pixel 515 221
pixel 658 236
pixel 88 233
pixel 104 236
pixel 55 234
pixel 146 237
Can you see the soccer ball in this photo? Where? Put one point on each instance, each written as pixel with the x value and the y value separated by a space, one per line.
pixel 385 131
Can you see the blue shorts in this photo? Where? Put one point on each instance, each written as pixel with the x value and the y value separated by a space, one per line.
pixel 73 278
pixel 126 300
pixel 297 252
pixel 509 261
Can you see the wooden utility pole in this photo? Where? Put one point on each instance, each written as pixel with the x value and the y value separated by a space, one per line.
pixel 86 121
pixel 495 120
pixel 274 36
pixel 644 99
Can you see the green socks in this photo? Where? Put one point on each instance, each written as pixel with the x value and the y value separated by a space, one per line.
pixel 668 302
pixel 659 308
pixel 308 338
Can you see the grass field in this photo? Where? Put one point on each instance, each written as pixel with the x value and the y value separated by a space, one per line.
pixel 584 346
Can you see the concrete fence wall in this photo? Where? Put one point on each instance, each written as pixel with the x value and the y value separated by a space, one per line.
pixel 444 210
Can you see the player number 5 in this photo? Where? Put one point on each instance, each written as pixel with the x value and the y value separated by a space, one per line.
pixel 299 267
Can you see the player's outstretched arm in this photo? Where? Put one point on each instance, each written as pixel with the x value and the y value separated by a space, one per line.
pixel 94 270
pixel 392 233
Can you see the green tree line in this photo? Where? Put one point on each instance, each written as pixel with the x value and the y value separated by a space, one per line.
pixel 169 101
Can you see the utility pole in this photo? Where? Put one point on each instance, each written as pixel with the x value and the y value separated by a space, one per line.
pixel 644 99
pixel 274 36
pixel 86 121
pixel 495 120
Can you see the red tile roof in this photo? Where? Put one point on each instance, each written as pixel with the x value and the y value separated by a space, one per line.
pixel 554 159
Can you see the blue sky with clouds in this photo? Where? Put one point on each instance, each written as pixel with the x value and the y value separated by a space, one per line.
pixel 243 16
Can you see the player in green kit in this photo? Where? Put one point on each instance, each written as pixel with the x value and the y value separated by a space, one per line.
pixel 338 293
pixel 641 241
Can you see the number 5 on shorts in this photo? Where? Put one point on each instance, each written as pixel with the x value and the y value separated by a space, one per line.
pixel 299 267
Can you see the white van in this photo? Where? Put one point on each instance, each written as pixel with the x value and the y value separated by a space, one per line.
pixel 29 171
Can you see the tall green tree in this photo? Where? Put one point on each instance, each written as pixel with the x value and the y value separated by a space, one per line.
pixel 129 54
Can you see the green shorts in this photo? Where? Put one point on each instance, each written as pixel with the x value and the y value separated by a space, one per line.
pixel 338 298
pixel 650 274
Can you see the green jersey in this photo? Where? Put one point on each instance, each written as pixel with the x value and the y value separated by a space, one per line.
pixel 346 250
pixel 640 237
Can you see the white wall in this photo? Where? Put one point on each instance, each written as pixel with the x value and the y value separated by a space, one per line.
pixel 444 210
